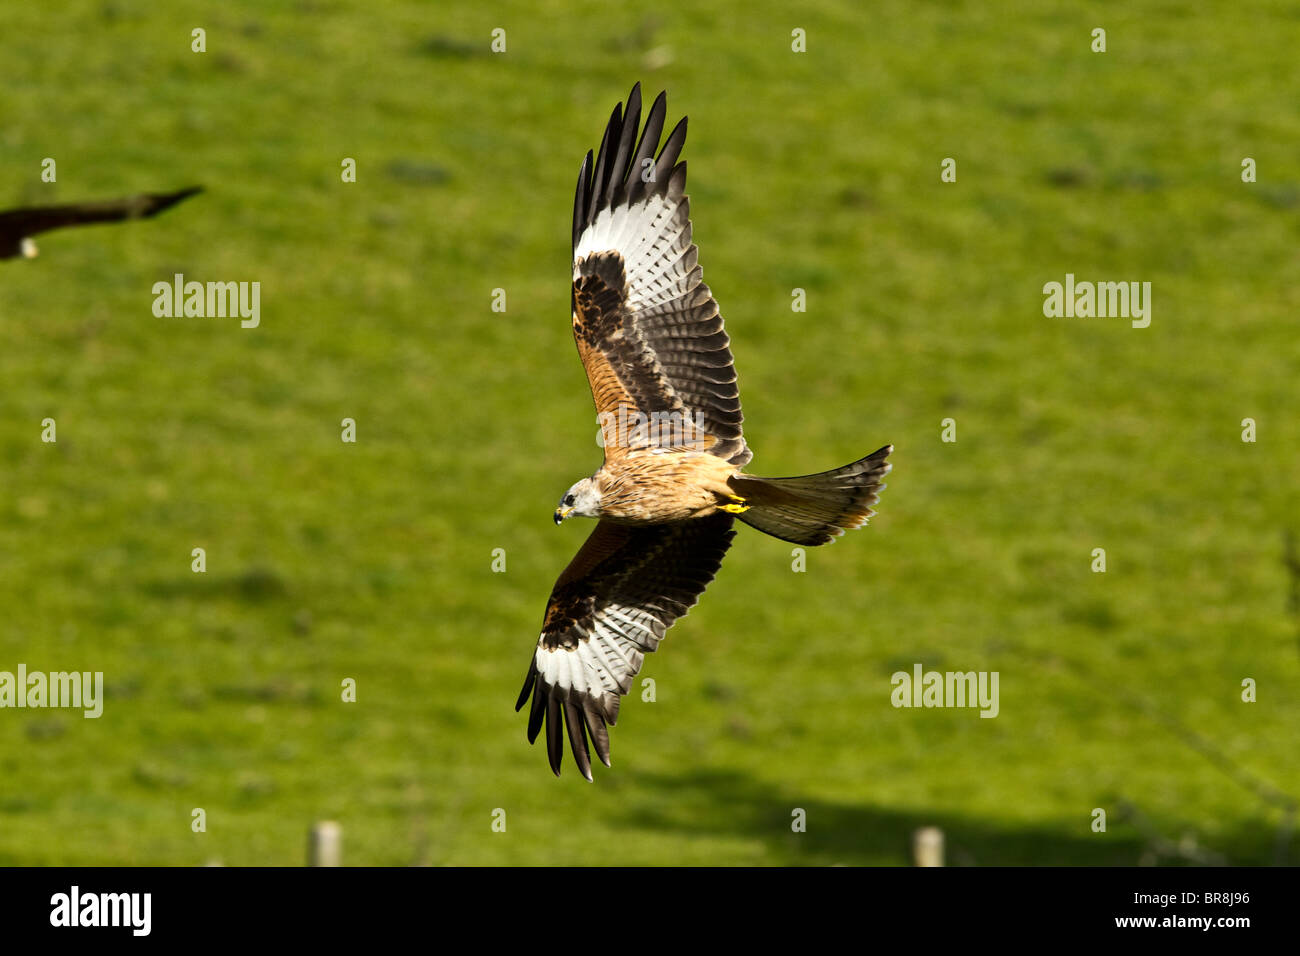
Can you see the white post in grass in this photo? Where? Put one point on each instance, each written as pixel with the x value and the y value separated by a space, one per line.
pixel 927 846
pixel 325 845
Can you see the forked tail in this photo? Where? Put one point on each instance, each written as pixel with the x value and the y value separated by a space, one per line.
pixel 813 509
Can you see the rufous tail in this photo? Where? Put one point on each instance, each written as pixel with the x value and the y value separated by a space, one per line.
pixel 813 509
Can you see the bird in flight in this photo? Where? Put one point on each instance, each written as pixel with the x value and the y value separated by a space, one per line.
pixel 18 226
pixel 671 487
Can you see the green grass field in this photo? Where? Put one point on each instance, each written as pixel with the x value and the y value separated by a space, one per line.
pixel 373 561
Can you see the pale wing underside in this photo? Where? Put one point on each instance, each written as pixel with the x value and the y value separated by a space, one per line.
pixel 610 607
pixel 648 328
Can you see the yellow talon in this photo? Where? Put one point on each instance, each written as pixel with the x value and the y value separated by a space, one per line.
pixel 737 507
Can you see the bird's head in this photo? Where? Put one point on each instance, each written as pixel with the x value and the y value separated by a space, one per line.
pixel 583 499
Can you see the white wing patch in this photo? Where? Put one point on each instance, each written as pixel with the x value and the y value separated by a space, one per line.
pixel 654 238
pixel 605 659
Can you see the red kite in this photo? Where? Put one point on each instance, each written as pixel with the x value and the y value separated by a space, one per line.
pixel 671 486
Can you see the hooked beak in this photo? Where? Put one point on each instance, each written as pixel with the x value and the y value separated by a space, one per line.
pixel 562 513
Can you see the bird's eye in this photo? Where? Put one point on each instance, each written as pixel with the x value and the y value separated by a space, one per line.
pixel 568 500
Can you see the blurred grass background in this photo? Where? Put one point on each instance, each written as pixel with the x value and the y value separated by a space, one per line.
pixel 818 170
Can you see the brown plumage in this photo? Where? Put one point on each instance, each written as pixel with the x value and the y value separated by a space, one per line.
pixel 18 226
pixel 659 363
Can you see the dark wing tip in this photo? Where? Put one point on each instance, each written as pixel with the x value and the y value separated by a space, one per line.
pixel 672 149
pixel 581 717
pixel 529 683
pixel 660 105
pixel 554 732
pixel 577 738
pixel 615 178
pixel 160 201
pixel 582 199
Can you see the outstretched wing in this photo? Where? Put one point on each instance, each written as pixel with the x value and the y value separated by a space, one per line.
pixel 647 327
pixel 19 224
pixel 611 606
